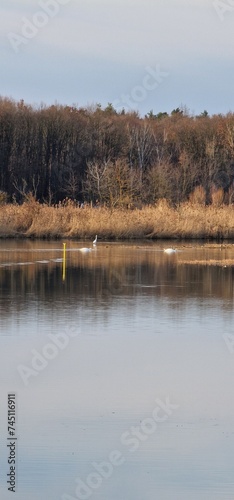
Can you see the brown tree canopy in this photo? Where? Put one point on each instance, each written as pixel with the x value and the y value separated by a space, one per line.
pixel 54 152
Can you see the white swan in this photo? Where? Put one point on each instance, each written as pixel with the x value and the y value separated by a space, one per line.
pixel 85 250
pixel 169 250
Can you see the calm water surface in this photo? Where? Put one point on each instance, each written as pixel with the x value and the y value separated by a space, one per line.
pixel 122 362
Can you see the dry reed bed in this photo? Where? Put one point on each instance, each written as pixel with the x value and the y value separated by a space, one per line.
pixel 208 262
pixel 187 221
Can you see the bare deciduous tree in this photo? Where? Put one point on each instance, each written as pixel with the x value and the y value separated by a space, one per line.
pixel 113 183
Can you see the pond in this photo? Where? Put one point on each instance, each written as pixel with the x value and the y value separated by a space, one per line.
pixel 119 363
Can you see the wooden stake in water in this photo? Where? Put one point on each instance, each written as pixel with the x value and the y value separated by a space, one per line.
pixel 64 261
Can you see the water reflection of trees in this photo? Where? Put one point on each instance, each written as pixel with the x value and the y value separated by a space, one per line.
pixel 106 275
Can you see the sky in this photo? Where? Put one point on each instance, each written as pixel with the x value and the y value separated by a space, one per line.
pixel 137 54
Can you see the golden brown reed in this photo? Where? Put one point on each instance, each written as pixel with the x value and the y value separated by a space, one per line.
pixel 189 220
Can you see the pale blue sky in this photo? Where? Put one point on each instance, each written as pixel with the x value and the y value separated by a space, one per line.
pixel 107 51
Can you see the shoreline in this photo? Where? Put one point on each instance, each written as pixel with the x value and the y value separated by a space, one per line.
pixel 32 220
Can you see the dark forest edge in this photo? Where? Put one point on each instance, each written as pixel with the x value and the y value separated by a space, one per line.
pixel 114 159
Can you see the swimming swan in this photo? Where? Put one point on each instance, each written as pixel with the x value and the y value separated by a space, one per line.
pixel 169 250
pixel 85 250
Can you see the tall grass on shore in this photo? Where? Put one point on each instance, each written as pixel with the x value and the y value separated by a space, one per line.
pixel 189 220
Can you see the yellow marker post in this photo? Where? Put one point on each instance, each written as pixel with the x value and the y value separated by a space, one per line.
pixel 64 261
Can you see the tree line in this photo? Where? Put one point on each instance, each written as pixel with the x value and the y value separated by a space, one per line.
pixel 102 156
